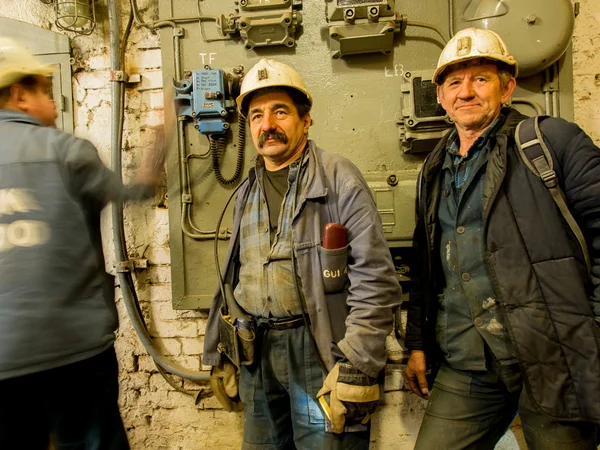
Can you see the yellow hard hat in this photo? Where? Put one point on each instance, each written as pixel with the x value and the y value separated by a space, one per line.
pixel 269 73
pixel 17 62
pixel 474 43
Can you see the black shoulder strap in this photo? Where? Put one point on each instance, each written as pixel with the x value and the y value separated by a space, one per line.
pixel 537 158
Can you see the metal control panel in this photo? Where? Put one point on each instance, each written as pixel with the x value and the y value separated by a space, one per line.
pixel 206 98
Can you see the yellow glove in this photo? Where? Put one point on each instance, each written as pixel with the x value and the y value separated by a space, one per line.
pixel 353 396
pixel 224 384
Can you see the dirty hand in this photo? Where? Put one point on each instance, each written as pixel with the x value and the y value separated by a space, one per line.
pixel 353 396
pixel 415 373
pixel 224 384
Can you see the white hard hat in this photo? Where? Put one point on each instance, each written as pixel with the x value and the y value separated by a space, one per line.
pixel 474 43
pixel 17 62
pixel 269 73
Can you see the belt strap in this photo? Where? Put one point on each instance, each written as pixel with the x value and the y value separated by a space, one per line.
pixel 279 324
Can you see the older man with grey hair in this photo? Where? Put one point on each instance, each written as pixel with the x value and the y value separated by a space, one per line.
pixel 504 313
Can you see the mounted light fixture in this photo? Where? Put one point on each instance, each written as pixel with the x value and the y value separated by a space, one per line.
pixel 78 16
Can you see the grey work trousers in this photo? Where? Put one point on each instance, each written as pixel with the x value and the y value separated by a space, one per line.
pixel 473 410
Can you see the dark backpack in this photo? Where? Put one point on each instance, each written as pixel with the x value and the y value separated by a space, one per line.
pixel 537 158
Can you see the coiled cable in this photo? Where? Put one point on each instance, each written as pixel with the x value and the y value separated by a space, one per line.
pixel 217 148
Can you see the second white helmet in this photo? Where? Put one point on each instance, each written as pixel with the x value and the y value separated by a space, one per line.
pixel 474 43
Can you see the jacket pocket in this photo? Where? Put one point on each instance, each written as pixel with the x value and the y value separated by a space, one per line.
pixel 334 268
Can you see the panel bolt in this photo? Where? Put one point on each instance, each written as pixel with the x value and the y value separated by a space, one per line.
pixel 531 18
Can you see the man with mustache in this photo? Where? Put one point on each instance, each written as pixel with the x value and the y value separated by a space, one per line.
pixel 297 288
pixel 503 304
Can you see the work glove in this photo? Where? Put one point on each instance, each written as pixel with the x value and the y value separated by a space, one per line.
pixel 224 384
pixel 353 396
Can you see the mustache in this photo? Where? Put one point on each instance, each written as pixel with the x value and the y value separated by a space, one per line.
pixel 276 135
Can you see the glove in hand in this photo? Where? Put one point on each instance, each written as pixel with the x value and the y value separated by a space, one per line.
pixel 353 396
pixel 224 384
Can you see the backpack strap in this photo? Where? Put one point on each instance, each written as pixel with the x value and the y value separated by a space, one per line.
pixel 538 159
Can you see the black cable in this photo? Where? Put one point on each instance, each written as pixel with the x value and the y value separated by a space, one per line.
pixel 126 35
pixel 216 248
pixel 122 51
pixel 219 148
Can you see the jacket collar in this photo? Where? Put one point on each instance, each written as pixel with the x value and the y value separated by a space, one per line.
pixel 437 156
pixel 315 181
pixel 8 115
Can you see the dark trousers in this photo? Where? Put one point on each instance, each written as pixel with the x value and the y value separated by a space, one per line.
pixel 75 406
pixel 279 392
pixel 473 410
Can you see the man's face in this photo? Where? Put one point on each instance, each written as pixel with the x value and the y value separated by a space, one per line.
pixel 278 133
pixel 38 103
pixel 472 95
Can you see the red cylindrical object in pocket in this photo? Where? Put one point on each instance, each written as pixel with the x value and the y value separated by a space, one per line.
pixel 335 236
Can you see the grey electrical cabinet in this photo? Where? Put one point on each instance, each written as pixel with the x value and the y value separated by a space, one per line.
pixel 368 65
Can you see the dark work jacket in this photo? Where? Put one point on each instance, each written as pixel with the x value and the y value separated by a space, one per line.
pixel 535 262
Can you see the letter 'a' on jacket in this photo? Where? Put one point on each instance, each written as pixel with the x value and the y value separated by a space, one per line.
pixel 535 262
pixel 357 318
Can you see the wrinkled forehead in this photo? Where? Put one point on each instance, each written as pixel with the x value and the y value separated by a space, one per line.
pixel 478 62
pixel 264 97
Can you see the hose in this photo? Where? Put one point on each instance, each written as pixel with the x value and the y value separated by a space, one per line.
pixel 217 147
pixel 125 279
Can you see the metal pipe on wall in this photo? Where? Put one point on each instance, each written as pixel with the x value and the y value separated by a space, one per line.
pixel 556 91
pixel 124 277
pixel 451 18
pixel 546 90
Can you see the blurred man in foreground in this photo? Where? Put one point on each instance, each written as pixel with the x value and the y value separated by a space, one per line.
pixel 58 368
